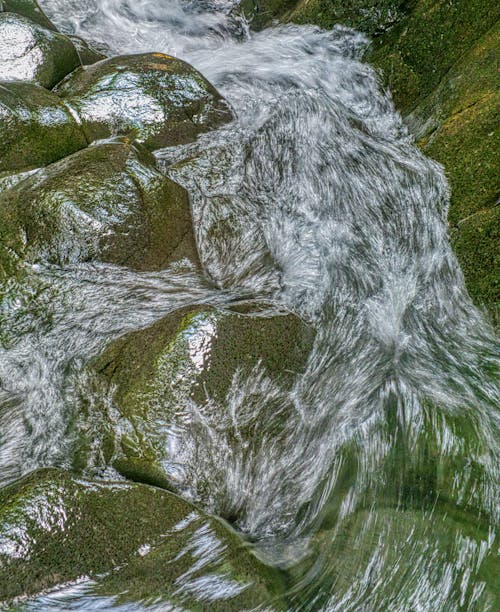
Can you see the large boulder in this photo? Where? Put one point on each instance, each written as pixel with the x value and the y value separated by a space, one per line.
pixel 87 54
pixel 107 202
pixel 159 99
pixel 30 9
pixel 30 52
pixel 136 541
pixel 36 128
pixel 194 360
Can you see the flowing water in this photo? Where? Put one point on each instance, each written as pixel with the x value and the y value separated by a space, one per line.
pixel 380 489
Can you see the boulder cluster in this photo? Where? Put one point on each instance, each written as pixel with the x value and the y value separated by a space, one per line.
pixel 79 183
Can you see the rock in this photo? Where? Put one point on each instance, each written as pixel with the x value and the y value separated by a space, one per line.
pixel 159 99
pixel 30 9
pixel 193 355
pixel 36 128
pixel 107 202
pixel 136 541
pixel 87 54
pixel 30 52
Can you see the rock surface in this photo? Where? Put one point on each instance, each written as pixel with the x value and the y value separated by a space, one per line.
pixel 36 128
pixel 30 52
pixel 55 528
pixel 192 355
pixel 158 99
pixel 107 202
pixel 30 9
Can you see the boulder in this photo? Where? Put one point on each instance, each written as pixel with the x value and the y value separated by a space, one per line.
pixel 159 99
pixel 30 52
pixel 30 9
pixel 107 202
pixel 36 128
pixel 192 357
pixel 136 541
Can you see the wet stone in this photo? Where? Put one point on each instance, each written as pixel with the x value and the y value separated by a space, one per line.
pixel 158 99
pixel 30 52
pixel 138 542
pixel 194 359
pixel 107 203
pixel 36 128
pixel 30 9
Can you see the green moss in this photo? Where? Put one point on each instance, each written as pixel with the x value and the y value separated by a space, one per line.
pixel 162 100
pixel 476 243
pixel 48 58
pixel 55 528
pixel 107 202
pixel 193 354
pixel 37 129
pixel 30 9
pixel 370 16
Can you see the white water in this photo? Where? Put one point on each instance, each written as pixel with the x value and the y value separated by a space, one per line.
pixel 340 219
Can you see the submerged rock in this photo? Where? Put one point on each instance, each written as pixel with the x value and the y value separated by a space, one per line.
pixel 193 360
pixel 36 128
pixel 30 52
pixel 159 99
pixel 137 541
pixel 107 202
pixel 28 8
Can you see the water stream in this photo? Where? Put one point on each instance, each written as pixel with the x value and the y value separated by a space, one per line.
pixel 380 491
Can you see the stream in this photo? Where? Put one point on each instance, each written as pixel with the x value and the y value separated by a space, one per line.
pixel 379 489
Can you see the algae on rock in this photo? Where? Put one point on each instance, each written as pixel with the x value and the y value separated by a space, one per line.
pixel 36 128
pixel 107 202
pixel 158 99
pixel 55 528
pixel 190 358
pixel 30 52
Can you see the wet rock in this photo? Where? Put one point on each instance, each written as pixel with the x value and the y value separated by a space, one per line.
pixel 87 54
pixel 107 202
pixel 159 99
pixel 36 128
pixel 195 356
pixel 137 541
pixel 30 52
pixel 30 9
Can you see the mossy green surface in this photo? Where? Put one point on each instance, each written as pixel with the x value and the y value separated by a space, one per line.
pixel 30 52
pixel 36 128
pixel 107 202
pixel 28 8
pixel 159 99
pixel 191 355
pixel 55 528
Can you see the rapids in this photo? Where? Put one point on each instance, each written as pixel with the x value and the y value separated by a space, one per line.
pixel 336 216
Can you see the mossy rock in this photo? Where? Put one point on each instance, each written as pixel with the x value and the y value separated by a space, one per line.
pixel 159 99
pixel 36 128
pixel 30 9
pixel 107 202
pixel 371 16
pixel 193 355
pixel 87 54
pixel 138 543
pixel 30 52
pixel 476 242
